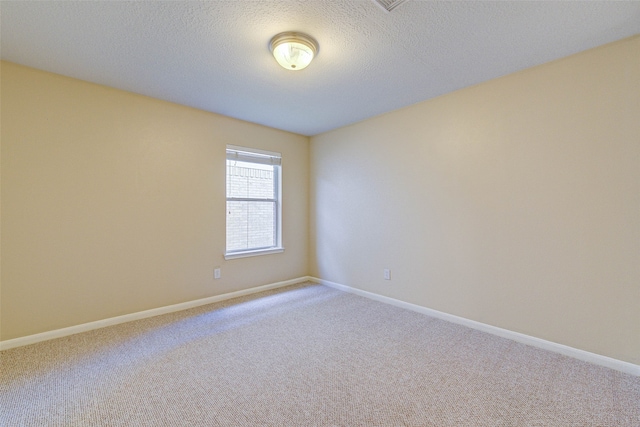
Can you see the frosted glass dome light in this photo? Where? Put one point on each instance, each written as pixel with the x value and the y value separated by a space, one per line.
pixel 293 51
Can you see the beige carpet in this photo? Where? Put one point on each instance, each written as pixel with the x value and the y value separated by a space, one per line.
pixel 305 355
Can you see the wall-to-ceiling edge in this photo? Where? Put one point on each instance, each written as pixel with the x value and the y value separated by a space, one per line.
pixel 114 203
pixel 509 204
pixel 513 203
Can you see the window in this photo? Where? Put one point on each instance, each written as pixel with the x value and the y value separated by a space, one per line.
pixel 253 202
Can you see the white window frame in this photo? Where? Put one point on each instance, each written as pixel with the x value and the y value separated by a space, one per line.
pixel 253 155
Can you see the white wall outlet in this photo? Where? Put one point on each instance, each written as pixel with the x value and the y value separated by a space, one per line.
pixel 216 273
pixel 387 274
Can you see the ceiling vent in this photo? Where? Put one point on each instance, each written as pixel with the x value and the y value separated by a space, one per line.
pixel 389 5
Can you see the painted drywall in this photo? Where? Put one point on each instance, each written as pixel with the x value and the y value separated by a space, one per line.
pixel 515 203
pixel 113 203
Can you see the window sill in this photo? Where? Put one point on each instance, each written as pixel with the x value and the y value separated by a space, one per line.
pixel 246 254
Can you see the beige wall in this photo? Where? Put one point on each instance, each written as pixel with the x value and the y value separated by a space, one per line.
pixel 515 203
pixel 114 203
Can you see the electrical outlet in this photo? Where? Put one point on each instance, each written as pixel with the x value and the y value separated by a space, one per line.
pixel 387 274
pixel 216 273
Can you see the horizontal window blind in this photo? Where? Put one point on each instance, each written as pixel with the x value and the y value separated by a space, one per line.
pixel 257 156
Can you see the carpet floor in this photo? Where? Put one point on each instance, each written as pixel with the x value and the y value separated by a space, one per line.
pixel 304 355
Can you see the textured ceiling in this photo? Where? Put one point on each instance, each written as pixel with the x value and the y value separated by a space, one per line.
pixel 214 55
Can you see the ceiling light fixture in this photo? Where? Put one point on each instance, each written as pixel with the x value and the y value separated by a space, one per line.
pixel 293 51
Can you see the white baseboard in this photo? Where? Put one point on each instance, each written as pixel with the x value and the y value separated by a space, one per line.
pixel 58 333
pixel 585 356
